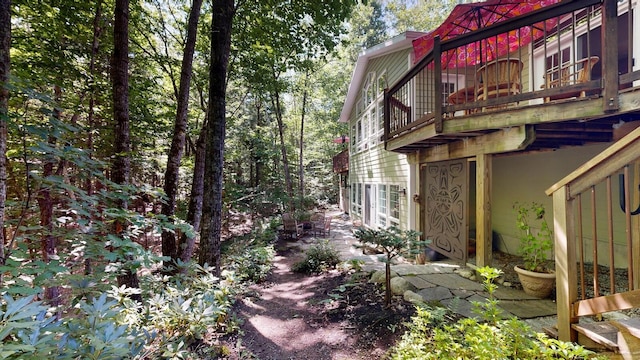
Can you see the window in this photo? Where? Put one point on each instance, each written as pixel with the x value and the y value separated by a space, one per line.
pixel 353 143
pixel 394 204
pixel 354 205
pixel 382 83
pixel 381 116
pixel 370 112
pixel 557 61
pixel 448 88
pixel 382 206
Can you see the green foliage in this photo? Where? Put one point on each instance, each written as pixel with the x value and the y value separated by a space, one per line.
pixel 318 258
pixel 488 309
pixel 536 237
pixel 423 15
pixel 431 337
pixel 254 264
pixel 393 241
pixel 95 331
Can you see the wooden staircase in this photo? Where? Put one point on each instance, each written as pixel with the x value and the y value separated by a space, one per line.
pixel 619 338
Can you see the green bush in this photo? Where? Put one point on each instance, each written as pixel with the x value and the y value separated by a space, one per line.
pixel 95 331
pixel 318 258
pixel 254 264
pixel 430 337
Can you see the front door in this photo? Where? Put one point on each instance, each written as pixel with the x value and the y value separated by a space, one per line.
pixel 445 220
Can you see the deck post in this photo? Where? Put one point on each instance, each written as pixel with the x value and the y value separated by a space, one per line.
pixel 566 267
pixel 484 233
pixel 387 117
pixel 635 232
pixel 437 84
pixel 610 56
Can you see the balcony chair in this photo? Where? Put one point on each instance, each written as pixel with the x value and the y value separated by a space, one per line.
pixel 499 78
pixel 569 74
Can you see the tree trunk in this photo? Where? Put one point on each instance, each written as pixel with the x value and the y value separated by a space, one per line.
pixel 5 46
pixel 97 31
pixel 283 148
pixel 172 173
pixel 120 77
pixel 45 203
pixel 387 283
pixel 194 213
pixel 301 170
pixel 221 23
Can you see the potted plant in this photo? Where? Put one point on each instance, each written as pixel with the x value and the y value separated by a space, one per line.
pixel 536 243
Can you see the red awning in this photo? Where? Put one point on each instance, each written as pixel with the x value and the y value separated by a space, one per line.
pixel 466 18
pixel 341 140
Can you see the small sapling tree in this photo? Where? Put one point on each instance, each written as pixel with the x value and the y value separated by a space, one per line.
pixel 393 242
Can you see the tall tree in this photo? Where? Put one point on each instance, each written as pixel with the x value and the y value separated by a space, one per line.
pixel 171 176
pixel 221 24
pixel 300 158
pixel 121 170
pixel 5 46
pixel 367 28
pixel 421 15
pixel 271 44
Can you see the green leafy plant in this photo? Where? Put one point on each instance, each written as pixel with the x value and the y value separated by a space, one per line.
pixel 95 331
pixel 489 309
pixel 536 237
pixel 254 264
pixel 318 258
pixel 430 336
pixel 394 242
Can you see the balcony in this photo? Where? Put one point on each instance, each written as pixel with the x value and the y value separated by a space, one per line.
pixel 341 162
pixel 559 76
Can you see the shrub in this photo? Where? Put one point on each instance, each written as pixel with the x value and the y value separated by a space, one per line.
pixel 429 337
pixel 318 258
pixel 394 242
pixel 96 331
pixel 254 264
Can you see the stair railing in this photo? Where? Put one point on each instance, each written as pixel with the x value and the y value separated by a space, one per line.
pixel 592 235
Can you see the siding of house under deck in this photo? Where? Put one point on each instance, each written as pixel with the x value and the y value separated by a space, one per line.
pixel 377 166
pixel 525 177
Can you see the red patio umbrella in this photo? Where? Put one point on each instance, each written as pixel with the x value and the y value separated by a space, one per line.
pixel 466 18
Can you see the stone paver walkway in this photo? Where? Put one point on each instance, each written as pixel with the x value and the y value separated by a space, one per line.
pixel 444 281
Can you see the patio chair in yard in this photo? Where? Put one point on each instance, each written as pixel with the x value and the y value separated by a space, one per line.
pixel 321 224
pixel 291 228
pixel 317 223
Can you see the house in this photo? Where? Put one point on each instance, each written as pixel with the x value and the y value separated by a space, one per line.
pixel 517 101
pixel 379 182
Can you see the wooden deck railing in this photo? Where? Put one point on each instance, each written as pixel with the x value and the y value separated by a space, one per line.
pixel 420 98
pixel 596 230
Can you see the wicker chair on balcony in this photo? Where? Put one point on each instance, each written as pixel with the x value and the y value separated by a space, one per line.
pixel 291 228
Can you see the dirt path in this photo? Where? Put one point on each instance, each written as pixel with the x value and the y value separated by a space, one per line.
pixel 284 319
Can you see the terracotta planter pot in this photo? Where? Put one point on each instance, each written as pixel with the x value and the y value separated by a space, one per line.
pixel 536 284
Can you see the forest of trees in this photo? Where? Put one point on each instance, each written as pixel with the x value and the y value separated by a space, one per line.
pixel 129 123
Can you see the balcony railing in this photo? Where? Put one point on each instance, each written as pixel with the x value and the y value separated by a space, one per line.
pixel 341 162
pixel 583 49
